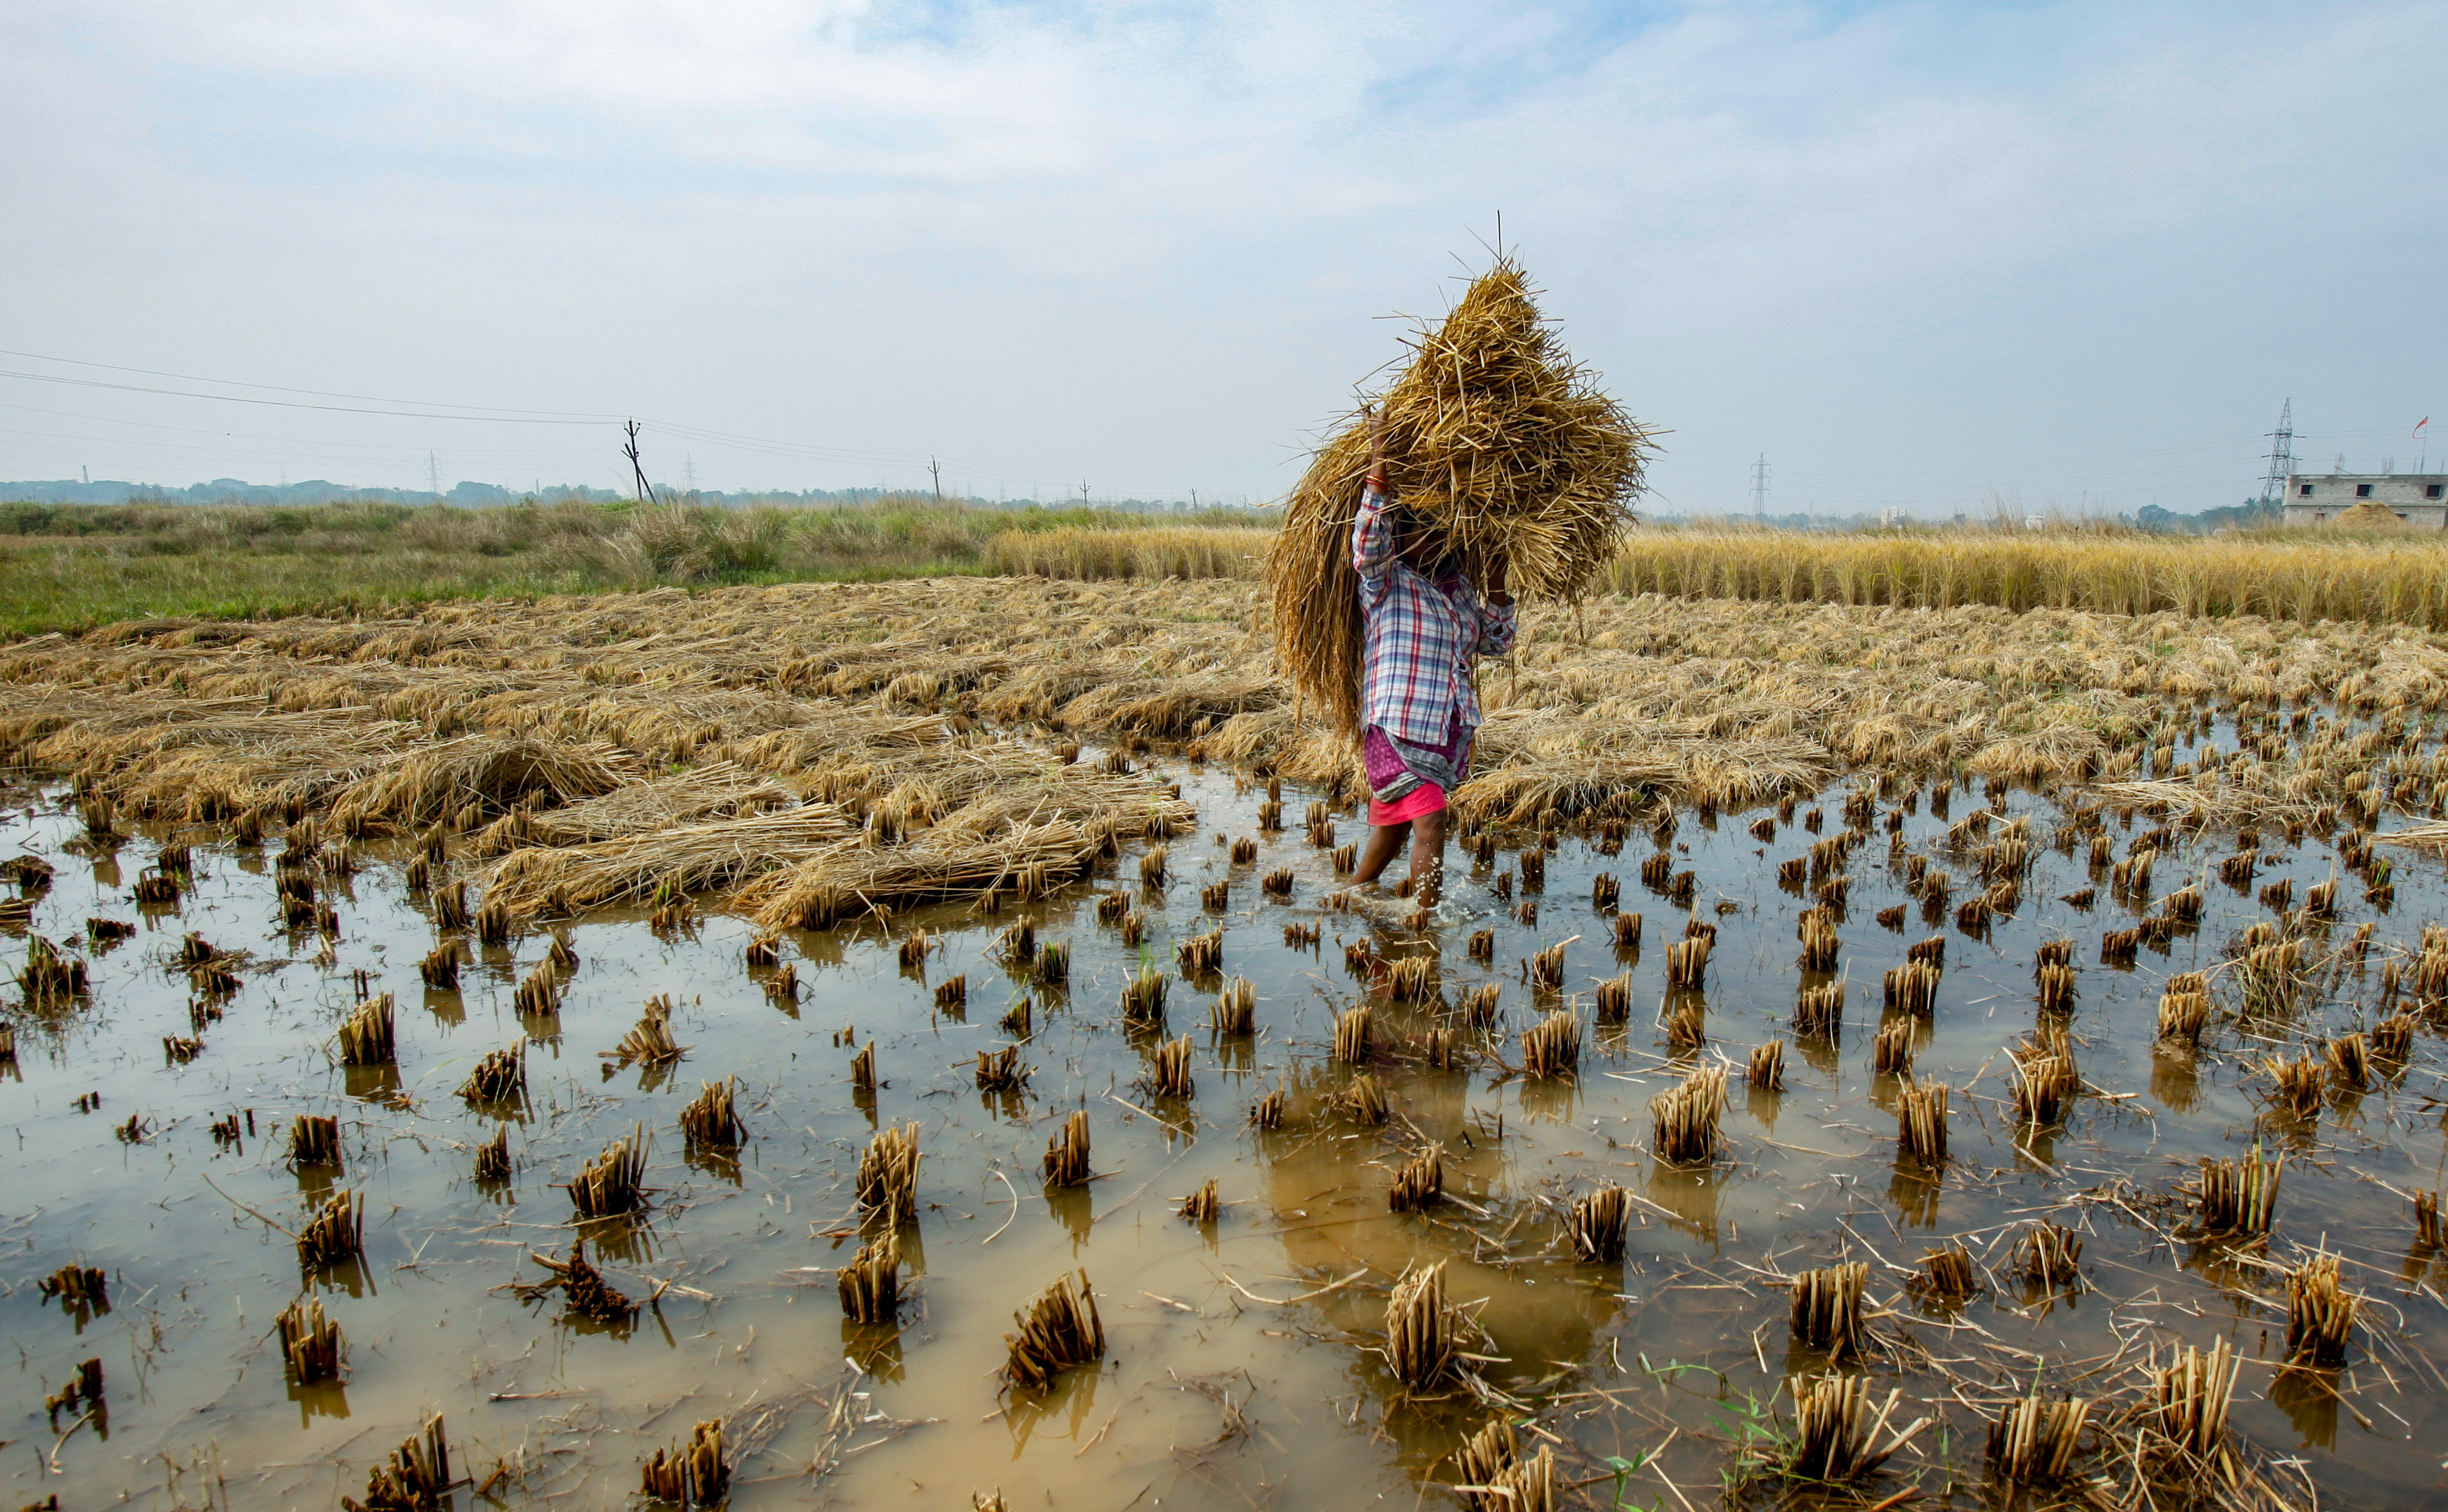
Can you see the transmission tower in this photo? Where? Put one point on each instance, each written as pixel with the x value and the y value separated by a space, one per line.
pixel 1759 486
pixel 2282 453
pixel 433 475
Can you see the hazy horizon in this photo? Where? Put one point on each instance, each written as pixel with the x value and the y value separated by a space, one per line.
pixel 2070 255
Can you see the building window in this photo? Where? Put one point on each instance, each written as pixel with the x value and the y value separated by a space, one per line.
pixel 2435 490
pixel 2302 490
pixel 2362 490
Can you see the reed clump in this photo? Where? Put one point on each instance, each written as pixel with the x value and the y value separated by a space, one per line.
pixel 335 1232
pixel 1684 1119
pixel 499 1077
pixel 2193 1393
pixel 2049 1255
pixel 2240 1196
pixel 1493 1475
pixel 614 1181
pixel 1947 1273
pixel 1891 1047
pixel 416 1477
pixel 1001 1072
pixel 493 1157
pixel 1819 1012
pixel 1059 1330
pixel 1234 1011
pixel 1766 1071
pixel 1824 1308
pixel 1066 1153
pixel 1836 1432
pixel 79 1286
pixel 314 1140
pixel 1420 1183
pixel 2032 1442
pixel 1547 969
pixel 1596 1223
pixel 888 1177
pixel 310 1343
pixel 1143 998
pixel 1200 1206
pixel 710 1120
pixel 2320 1313
pixel 649 1040
pixel 1353 1030
pixel 367 1035
pixel 693 1475
pixel 1365 1096
pixel 870 1284
pixel 1552 1046
pixel 1169 1070
pixel 1420 1344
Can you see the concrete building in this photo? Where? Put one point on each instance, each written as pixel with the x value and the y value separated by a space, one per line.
pixel 2419 499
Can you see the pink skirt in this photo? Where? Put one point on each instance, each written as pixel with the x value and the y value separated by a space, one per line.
pixel 1425 798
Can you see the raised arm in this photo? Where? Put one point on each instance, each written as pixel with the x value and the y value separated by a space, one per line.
pixel 1372 532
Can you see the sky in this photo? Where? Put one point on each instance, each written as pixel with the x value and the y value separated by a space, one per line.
pixel 2063 257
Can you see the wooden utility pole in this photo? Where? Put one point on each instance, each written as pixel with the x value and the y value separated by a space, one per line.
pixel 645 489
pixel 936 469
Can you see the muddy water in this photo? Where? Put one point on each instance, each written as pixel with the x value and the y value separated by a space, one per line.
pixel 1226 1383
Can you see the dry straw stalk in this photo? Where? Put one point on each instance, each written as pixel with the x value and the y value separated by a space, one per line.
pixel 1420 1347
pixel 689 1476
pixel 1498 442
pixel 1059 1330
pixel 416 1477
pixel 613 1182
pixel 1825 1309
pixel 888 1176
pixel 309 1342
pixel 1066 1153
pixel 711 1121
pixel 871 1284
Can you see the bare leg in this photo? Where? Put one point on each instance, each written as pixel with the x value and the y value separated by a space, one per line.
pixel 1429 858
pixel 1384 843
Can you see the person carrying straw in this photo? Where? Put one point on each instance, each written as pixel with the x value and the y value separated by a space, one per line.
pixel 1425 626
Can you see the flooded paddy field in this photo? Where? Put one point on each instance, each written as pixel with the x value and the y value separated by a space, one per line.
pixel 1059 828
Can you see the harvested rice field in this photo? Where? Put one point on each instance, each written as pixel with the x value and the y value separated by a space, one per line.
pixel 916 1044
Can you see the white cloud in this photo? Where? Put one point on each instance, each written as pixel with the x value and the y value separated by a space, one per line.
pixel 1143 242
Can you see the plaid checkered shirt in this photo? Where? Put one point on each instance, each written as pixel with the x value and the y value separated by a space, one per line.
pixel 1421 637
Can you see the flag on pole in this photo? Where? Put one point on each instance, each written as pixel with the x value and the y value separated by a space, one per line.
pixel 2418 425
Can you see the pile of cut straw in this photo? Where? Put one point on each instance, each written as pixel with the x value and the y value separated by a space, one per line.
pixel 1498 441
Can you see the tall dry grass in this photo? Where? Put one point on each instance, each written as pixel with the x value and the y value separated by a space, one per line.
pixel 1161 552
pixel 2281 575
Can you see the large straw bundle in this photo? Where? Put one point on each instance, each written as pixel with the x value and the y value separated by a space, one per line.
pixel 1498 441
